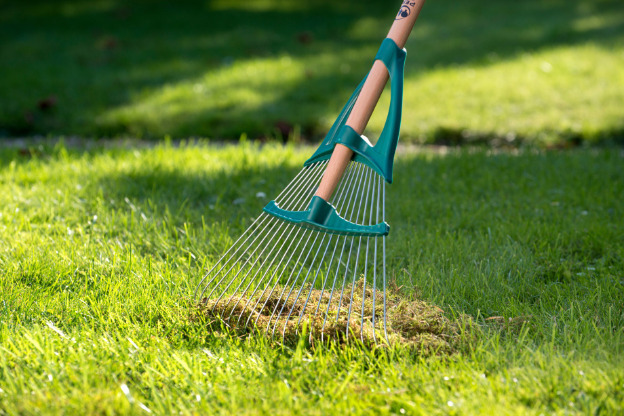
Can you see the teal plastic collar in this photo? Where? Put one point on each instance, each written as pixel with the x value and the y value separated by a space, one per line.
pixel 379 157
pixel 321 215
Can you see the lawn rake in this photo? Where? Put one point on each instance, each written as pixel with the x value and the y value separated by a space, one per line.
pixel 316 255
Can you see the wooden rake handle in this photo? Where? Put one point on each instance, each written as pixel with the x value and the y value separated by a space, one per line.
pixel 367 100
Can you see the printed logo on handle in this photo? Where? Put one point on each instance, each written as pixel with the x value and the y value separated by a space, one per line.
pixel 405 10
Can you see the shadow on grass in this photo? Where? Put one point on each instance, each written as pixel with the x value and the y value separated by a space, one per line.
pixel 232 196
pixel 94 57
pixel 445 136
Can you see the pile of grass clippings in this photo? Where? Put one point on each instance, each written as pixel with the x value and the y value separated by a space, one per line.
pixel 413 323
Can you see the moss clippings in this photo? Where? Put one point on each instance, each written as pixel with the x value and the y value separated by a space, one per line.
pixel 413 323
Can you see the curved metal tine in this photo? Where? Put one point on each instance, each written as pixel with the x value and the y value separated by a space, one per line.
pixel 383 213
pixel 302 286
pixel 305 279
pixel 299 271
pixel 298 202
pixel 348 262
pixel 367 181
pixel 301 200
pixel 307 194
pixel 305 184
pixel 247 261
pixel 307 233
pixel 342 251
pixel 292 189
pixel 366 197
pixel 268 268
pixel 288 280
pixel 353 199
pixel 274 272
pixel 342 186
pixel 295 184
pixel 340 196
pixel 250 230
pixel 300 289
pixel 294 269
pixel 374 287
pixel 318 269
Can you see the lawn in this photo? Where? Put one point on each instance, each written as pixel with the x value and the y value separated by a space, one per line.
pixel 101 246
pixel 103 242
pixel 541 71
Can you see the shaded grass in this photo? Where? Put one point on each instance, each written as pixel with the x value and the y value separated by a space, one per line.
pixel 536 71
pixel 101 248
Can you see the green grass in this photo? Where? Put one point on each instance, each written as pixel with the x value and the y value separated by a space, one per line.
pixel 542 71
pixel 101 248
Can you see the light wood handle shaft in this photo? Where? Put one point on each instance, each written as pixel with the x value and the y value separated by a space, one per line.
pixel 367 100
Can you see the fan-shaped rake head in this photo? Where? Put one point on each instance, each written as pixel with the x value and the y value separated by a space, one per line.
pixel 279 276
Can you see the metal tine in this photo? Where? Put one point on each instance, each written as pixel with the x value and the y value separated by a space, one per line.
pixel 370 221
pixel 249 230
pixel 307 275
pixel 237 259
pixel 276 275
pixel 297 194
pixel 313 282
pixel 287 191
pixel 357 256
pixel 346 274
pixel 298 274
pixel 339 207
pixel 383 214
pixel 277 269
pixel 301 287
pixel 347 181
pixel 368 211
pixel 337 271
pixel 352 199
pixel 299 271
pixel 310 233
pixel 300 202
pixel 319 168
pixel 268 268
pixel 312 285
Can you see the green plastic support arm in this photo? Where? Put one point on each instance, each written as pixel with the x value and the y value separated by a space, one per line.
pixel 321 215
pixel 379 157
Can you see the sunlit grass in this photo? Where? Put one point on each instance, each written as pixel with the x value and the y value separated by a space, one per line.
pixel 101 249
pixel 546 97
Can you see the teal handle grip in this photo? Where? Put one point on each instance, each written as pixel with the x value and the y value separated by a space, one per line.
pixel 379 157
pixel 322 216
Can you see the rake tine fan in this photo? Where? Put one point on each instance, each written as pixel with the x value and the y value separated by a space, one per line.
pixel 316 255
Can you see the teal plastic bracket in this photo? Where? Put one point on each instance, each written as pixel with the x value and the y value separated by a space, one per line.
pixel 322 216
pixel 379 157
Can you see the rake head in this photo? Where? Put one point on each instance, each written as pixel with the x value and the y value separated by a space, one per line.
pixel 316 256
pixel 279 275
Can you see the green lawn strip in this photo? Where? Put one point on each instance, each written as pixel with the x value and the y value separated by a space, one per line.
pixel 546 72
pixel 125 369
pixel 101 249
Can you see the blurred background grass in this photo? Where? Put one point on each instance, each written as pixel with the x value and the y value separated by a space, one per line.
pixel 549 72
